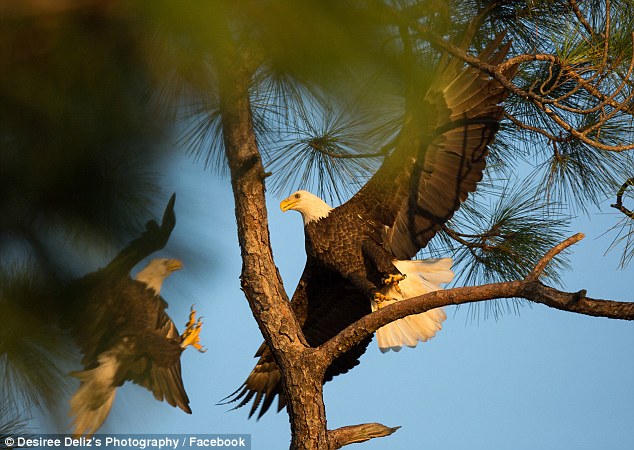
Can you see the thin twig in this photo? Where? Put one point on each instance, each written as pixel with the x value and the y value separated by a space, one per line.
pixel 541 265
pixel 551 137
pixel 619 199
pixel 581 17
pixel 458 237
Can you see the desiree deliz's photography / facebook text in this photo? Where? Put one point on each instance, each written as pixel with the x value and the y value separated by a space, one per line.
pixel 141 442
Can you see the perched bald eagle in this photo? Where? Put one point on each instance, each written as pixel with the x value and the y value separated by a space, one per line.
pixel 359 254
pixel 125 334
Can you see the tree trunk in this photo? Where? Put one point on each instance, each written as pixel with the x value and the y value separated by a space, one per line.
pixel 306 410
pixel 302 367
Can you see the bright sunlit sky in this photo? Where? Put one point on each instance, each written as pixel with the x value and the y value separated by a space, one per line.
pixel 545 379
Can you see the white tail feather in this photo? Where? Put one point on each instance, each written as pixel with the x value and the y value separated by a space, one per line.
pixel 92 402
pixel 423 276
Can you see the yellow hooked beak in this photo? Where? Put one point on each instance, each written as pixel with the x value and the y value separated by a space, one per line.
pixel 288 203
pixel 174 265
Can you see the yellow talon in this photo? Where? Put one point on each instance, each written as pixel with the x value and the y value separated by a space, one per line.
pixel 393 279
pixel 380 298
pixel 191 335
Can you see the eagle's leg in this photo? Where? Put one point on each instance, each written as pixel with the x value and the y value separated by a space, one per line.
pixel 382 260
pixel 365 285
pixel 191 335
pixel 379 299
pixel 393 279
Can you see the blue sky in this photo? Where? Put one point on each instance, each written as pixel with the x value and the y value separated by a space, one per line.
pixel 544 380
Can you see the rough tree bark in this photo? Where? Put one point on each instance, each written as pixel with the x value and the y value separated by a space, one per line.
pixel 301 367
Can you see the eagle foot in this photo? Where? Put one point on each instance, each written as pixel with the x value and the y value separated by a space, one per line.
pixel 380 298
pixel 191 335
pixel 393 280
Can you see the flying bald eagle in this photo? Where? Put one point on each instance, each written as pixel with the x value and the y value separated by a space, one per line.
pixel 359 254
pixel 125 334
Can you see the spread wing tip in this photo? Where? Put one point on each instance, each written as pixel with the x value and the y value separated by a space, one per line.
pixel 245 395
pixel 234 396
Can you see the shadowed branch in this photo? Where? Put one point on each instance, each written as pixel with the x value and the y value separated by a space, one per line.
pixel 588 78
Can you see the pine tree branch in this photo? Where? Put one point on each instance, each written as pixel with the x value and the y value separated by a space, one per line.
pixel 313 144
pixel 580 17
pixel 529 288
pixel 459 237
pixel 259 279
pixel 551 137
pixel 590 84
pixel 541 265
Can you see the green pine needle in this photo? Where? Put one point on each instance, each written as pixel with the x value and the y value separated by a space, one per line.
pixel 33 350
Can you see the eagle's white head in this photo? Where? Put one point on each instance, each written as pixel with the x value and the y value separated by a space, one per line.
pixel 309 205
pixel 156 271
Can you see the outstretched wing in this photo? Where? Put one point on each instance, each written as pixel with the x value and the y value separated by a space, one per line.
pixel 439 159
pixel 324 304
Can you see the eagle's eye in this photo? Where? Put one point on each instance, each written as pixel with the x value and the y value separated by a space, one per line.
pixel 297 196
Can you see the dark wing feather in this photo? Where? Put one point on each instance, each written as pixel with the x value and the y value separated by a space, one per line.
pixel 159 367
pixel 333 306
pixel 440 158
pixel 120 312
pixel 97 315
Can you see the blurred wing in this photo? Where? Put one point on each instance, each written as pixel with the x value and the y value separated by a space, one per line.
pixel 159 369
pixel 97 315
pixel 424 181
pixel 324 304
pixel 120 314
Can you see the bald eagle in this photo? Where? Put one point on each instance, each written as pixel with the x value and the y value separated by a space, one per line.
pixel 125 334
pixel 359 254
